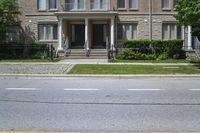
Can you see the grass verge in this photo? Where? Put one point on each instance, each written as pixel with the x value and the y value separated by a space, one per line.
pixel 133 69
pixel 150 61
pixel 30 60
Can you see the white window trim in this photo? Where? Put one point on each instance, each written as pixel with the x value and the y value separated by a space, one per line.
pixel 168 8
pixel 53 9
pixel 134 8
pixel 45 29
pixel 133 35
pixel 122 8
pixel 169 25
pixel 45 6
pixel 99 6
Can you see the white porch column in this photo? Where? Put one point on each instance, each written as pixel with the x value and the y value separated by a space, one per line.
pixel 189 37
pixel 112 38
pixel 86 33
pixel 60 34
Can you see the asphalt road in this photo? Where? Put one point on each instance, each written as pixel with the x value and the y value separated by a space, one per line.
pixel 102 104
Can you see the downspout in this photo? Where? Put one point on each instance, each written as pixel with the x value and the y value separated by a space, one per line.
pixel 150 19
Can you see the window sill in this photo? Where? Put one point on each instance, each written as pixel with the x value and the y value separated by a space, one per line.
pixel 48 41
pixel 133 9
pixel 166 9
pixel 53 10
pixel 121 9
pixel 42 10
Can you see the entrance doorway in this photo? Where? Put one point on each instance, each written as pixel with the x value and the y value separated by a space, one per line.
pixel 99 36
pixel 78 36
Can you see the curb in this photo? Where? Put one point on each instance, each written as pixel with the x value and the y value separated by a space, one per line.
pixel 95 76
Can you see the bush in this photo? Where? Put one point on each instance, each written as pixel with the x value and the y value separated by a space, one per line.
pixel 129 54
pixel 156 49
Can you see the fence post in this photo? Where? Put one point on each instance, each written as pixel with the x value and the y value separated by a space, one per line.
pixel 51 52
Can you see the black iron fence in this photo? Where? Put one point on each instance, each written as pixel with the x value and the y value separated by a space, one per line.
pixel 31 51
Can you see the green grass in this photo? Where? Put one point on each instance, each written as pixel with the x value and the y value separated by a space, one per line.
pixel 133 69
pixel 30 60
pixel 150 61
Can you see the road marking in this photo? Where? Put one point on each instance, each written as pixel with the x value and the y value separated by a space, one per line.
pixel 80 89
pixel 194 89
pixel 144 89
pixel 22 89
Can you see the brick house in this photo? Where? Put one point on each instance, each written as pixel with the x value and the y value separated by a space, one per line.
pixel 94 24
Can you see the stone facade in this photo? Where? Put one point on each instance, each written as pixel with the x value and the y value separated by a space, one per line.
pixel 31 17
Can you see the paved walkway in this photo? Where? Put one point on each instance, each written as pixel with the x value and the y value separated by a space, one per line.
pixel 59 68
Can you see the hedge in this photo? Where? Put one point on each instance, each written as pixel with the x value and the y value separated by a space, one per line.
pixel 19 51
pixel 158 49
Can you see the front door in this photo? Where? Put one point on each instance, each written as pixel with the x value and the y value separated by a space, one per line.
pixel 78 36
pixel 99 36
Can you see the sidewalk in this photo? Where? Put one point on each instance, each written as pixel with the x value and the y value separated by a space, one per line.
pixel 60 69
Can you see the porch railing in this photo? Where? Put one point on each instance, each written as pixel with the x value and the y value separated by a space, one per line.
pixel 196 45
pixel 66 47
pixel 94 6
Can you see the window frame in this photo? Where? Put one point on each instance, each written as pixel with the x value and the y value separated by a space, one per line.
pixel 134 34
pixel 125 6
pixel 100 7
pixel 169 31
pixel 166 8
pixel 56 8
pixel 44 26
pixel 38 4
pixel 131 8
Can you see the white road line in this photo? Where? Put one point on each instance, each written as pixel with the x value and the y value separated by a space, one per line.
pixel 194 89
pixel 22 89
pixel 80 89
pixel 144 89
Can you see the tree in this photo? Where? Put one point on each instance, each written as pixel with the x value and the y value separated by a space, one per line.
pixel 9 11
pixel 188 13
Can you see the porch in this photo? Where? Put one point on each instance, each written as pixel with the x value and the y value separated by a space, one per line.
pixel 86 31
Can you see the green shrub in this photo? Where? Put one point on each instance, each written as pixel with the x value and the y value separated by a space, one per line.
pixel 171 49
pixel 130 54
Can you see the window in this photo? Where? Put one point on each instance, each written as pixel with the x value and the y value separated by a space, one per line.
pixel 13 34
pixel 133 4
pixel 165 4
pixel 41 4
pixel 174 4
pixel 171 31
pixel 52 4
pixel 80 4
pixel 98 4
pixel 48 32
pixel 127 31
pixel 17 2
pixel 121 3
pixel 75 4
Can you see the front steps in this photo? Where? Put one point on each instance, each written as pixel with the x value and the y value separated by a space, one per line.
pixel 81 54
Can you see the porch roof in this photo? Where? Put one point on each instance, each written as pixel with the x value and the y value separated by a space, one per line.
pixel 107 14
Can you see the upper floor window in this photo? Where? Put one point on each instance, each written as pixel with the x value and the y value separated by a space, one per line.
pixel 98 4
pixel 171 31
pixel 121 3
pixel 166 4
pixel 41 4
pixel 52 4
pixel 133 4
pixel 75 4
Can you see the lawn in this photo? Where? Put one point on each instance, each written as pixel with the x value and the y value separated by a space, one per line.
pixel 150 61
pixel 133 69
pixel 30 60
